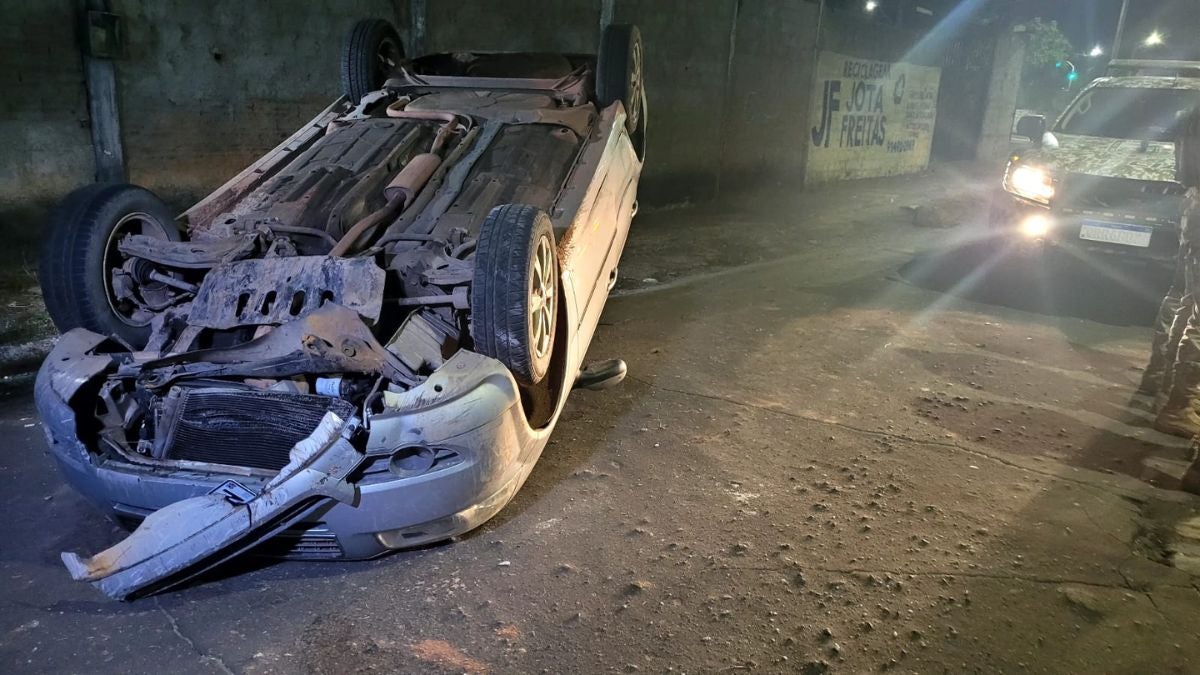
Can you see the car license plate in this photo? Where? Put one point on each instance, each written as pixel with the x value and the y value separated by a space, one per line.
pixel 234 491
pixel 1116 233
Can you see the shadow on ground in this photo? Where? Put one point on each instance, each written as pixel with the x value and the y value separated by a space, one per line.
pixel 992 271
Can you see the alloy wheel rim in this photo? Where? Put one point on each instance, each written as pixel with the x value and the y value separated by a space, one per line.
pixel 543 292
pixel 387 59
pixel 635 84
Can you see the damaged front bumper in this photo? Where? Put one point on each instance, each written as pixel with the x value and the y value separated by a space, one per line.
pixel 441 459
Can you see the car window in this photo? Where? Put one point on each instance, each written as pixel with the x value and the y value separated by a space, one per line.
pixel 1137 114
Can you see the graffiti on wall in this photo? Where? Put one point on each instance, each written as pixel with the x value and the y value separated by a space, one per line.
pixel 870 118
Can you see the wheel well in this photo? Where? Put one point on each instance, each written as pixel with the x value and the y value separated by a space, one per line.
pixel 540 400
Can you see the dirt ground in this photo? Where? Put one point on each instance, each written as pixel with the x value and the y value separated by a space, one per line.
pixel 26 332
pixel 847 444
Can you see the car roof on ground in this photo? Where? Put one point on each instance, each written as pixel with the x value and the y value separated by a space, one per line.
pixel 543 65
pixel 1147 82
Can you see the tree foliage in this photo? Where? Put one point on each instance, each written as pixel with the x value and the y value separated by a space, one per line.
pixel 1044 86
pixel 1046 43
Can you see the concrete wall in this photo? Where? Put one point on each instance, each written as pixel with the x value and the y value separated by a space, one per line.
pixel 687 58
pixel 687 69
pixel 45 145
pixel 963 98
pixel 206 88
pixel 849 34
pixel 512 25
pixel 766 129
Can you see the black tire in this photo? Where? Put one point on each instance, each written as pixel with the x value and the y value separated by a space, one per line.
pixel 79 252
pixel 504 306
pixel 620 73
pixel 372 51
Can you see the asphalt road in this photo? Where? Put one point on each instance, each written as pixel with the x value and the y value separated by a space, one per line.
pixel 846 445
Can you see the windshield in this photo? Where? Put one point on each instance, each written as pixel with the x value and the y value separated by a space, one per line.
pixel 1135 114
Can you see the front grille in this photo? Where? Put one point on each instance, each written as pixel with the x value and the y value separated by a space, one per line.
pixel 1155 201
pixel 301 542
pixel 311 543
pixel 248 428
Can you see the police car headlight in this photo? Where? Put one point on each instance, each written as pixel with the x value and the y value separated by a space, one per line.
pixel 1035 226
pixel 1030 182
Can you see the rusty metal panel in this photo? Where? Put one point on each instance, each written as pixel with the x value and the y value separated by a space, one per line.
pixel 329 339
pixel 523 164
pixel 277 290
pixel 224 197
pixel 333 184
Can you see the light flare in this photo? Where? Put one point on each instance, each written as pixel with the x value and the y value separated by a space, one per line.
pixel 1035 226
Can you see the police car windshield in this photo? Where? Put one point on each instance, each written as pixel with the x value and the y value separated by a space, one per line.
pixel 1136 114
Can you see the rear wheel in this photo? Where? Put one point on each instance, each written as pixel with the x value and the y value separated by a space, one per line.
pixel 620 74
pixel 514 294
pixel 373 51
pixel 80 255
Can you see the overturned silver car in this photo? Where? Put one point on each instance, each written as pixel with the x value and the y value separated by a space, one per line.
pixel 360 343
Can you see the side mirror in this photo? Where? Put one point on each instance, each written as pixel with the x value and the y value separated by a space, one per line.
pixel 1032 127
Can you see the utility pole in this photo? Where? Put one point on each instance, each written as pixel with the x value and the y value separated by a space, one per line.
pixel 102 43
pixel 1116 48
pixel 416 36
pixel 607 11
pixel 727 94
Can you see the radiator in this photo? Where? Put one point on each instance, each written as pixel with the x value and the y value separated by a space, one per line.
pixel 239 427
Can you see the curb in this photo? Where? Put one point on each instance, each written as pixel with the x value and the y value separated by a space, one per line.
pixel 18 359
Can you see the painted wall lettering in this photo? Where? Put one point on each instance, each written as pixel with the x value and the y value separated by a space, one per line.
pixel 870 118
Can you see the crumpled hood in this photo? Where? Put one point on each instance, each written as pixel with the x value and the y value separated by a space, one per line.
pixel 1106 157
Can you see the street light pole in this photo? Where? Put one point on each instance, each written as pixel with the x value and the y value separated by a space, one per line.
pixel 1116 50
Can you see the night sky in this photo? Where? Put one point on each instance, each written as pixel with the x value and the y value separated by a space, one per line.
pixel 1094 22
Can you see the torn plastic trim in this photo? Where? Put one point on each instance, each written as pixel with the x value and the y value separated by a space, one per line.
pixel 188 537
pixel 72 362
pixel 468 392
pixel 68 367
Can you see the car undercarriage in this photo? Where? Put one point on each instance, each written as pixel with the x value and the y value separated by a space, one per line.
pixel 409 273
pixel 280 287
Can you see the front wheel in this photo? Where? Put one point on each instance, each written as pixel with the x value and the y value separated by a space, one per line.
pixel 80 268
pixel 514 293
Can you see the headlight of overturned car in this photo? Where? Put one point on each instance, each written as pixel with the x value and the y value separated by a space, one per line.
pixel 1030 182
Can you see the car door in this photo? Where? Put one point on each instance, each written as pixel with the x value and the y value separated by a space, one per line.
pixel 602 234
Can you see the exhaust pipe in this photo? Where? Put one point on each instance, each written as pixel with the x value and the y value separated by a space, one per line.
pixel 416 173
pixel 412 177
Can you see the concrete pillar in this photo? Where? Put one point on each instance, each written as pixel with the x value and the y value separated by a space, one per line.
pixel 1002 98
